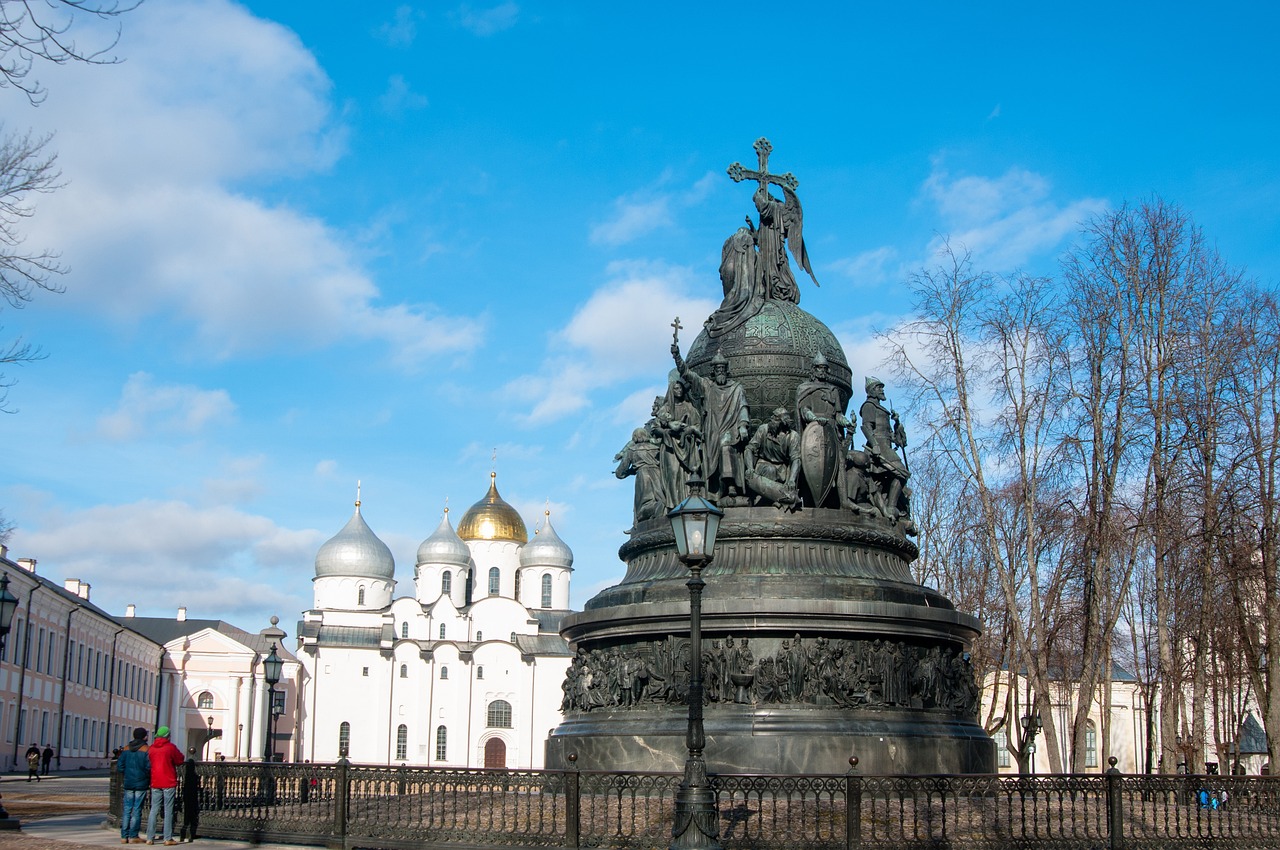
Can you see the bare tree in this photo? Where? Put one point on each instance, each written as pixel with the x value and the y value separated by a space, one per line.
pixel 41 30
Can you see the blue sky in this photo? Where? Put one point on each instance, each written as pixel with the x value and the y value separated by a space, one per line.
pixel 311 243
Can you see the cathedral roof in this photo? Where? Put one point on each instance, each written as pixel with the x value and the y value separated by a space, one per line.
pixel 492 519
pixel 355 551
pixel 546 549
pixel 444 546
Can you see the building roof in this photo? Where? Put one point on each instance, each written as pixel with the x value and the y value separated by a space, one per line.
pixel 1253 740
pixel 491 518
pixel 355 551
pixel 546 549
pixel 162 630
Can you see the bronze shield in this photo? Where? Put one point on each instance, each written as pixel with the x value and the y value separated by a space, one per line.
pixel 819 458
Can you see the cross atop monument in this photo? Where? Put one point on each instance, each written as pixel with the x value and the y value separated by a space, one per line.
pixel 738 173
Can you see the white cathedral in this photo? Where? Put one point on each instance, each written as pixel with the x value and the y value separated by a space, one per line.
pixel 466 672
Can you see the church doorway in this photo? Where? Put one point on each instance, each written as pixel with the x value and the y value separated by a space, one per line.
pixel 495 753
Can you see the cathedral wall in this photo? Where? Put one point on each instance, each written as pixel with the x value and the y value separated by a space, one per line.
pixel 343 593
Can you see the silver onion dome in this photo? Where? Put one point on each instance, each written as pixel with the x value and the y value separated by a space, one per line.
pixel 355 551
pixel 546 549
pixel 444 546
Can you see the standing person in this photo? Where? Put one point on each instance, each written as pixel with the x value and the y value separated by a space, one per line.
pixel 164 758
pixel 136 769
pixel 33 762
pixel 190 797
pixel 45 758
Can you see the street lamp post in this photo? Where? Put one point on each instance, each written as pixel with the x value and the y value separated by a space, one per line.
pixel 208 738
pixel 8 607
pixel 1031 726
pixel 271 666
pixel 694 523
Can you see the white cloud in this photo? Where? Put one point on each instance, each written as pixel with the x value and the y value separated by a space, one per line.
pixel 156 151
pixel 399 98
pixel 621 332
pixel 877 266
pixel 158 553
pixel 326 468
pixel 638 213
pixel 1004 221
pixel 402 29
pixel 146 407
pixel 486 22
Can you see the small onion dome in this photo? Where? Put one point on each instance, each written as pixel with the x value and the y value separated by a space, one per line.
pixel 444 546
pixel 355 551
pixel 492 519
pixel 546 549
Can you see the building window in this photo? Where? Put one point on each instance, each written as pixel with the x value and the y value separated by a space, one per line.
pixel 446 583
pixel 364 671
pixel 442 631
pixel 444 672
pixel 1090 744
pixel 500 714
pixel 344 740
pixel 404 630
pixel 479 637
pixel 40 652
pixel 546 591
pixel 442 743
pixel 360 596
pixel 402 742
pixel 205 700
pixel 480 672
pixel 404 671
pixel 495 581
pixel 1002 747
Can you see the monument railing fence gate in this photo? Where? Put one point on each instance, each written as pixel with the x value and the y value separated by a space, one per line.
pixel 362 806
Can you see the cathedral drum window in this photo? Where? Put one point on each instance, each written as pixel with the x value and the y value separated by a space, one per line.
pixel 444 672
pixel 495 581
pixel 446 583
pixel 546 590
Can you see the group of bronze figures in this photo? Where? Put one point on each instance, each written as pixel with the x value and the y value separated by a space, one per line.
pixel 817 671
pixel 802 456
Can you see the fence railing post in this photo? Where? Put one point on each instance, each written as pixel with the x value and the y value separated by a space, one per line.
pixel 1115 807
pixel 852 806
pixel 572 804
pixel 342 796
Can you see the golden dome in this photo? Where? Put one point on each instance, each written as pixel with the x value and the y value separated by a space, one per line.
pixel 492 519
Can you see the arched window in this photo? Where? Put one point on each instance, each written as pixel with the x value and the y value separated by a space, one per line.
pixel 546 590
pixel 1002 747
pixel 442 631
pixel 402 742
pixel 1090 744
pixel 480 672
pixel 500 714
pixel 404 630
pixel 446 583
pixel 205 700
pixel 495 581
pixel 442 743
pixel 344 740
pixel 360 596
pixel 444 672
pixel 404 671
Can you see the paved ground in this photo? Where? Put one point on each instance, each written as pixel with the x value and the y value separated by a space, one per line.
pixel 66 812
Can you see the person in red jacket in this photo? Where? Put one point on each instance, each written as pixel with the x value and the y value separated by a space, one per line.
pixel 164 758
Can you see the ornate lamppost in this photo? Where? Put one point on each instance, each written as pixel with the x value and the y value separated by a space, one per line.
pixel 8 607
pixel 695 522
pixel 208 737
pixel 1031 726
pixel 271 666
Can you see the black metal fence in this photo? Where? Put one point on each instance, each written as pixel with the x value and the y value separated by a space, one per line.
pixel 356 806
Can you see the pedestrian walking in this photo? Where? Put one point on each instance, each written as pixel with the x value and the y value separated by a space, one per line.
pixel 135 768
pixel 33 762
pixel 190 797
pixel 164 758
pixel 45 758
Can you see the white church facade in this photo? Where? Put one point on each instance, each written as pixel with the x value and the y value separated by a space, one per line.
pixel 465 672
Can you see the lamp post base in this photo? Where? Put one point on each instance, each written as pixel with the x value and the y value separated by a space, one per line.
pixel 697 824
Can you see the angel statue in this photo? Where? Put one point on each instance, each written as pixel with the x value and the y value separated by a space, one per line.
pixel 754 266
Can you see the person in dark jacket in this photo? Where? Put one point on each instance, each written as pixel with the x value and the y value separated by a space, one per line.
pixel 46 756
pixel 165 758
pixel 190 797
pixel 135 768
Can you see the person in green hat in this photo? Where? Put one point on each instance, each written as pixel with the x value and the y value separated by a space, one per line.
pixel 165 758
